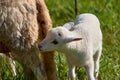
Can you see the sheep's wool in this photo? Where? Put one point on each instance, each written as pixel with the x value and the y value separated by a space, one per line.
pixel 18 24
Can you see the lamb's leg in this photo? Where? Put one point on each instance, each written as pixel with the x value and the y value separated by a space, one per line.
pixel 96 62
pixel 90 70
pixel 71 72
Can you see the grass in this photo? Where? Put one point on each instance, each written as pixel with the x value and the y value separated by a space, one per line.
pixel 62 11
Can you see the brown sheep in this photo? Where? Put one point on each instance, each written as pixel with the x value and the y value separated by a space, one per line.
pixel 22 24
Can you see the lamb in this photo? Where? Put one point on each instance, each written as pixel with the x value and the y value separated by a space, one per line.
pixel 81 42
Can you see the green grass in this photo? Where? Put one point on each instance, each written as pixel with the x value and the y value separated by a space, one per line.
pixel 62 11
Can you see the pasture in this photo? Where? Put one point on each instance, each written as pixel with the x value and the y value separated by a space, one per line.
pixel 62 11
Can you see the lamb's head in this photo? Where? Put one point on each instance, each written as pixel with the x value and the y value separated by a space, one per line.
pixel 56 39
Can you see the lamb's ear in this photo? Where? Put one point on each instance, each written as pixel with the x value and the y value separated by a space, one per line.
pixel 72 39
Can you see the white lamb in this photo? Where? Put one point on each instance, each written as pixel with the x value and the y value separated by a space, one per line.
pixel 81 42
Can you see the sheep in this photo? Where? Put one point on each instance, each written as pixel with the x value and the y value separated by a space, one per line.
pixel 19 33
pixel 80 41
pixel 23 23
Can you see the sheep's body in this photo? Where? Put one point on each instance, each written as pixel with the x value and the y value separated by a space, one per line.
pixel 81 44
pixel 20 16
pixel 19 33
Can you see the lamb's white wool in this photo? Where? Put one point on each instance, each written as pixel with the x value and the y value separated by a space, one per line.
pixel 81 42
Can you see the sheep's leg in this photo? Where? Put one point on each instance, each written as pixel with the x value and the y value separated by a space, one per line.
pixel 49 65
pixel 96 62
pixel 90 70
pixel 12 63
pixel 71 72
pixel 45 24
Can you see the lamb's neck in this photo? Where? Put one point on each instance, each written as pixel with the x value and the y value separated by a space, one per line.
pixel 70 47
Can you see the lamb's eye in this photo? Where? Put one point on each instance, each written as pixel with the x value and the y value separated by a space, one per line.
pixel 55 42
